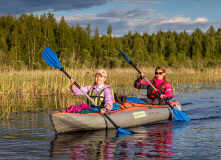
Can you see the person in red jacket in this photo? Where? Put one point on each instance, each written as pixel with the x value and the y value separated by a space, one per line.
pixel 160 83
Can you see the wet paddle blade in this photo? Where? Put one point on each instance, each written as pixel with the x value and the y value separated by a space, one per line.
pixel 124 131
pixel 51 58
pixel 180 116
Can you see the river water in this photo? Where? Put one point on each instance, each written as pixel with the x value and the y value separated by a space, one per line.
pixel 29 134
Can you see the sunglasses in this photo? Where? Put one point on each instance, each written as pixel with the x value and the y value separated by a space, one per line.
pixel 160 73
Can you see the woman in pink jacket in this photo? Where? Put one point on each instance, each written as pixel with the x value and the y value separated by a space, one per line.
pixel 100 91
pixel 160 83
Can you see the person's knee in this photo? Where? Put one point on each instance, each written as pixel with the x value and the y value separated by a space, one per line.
pixel 147 100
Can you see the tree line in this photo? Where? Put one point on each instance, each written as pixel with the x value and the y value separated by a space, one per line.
pixel 23 39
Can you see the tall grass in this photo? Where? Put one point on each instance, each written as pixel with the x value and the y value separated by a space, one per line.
pixel 22 91
pixel 29 84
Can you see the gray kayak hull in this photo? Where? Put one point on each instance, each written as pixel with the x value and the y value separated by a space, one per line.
pixel 137 115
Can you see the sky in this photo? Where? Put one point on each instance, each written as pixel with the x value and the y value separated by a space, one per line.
pixel 140 16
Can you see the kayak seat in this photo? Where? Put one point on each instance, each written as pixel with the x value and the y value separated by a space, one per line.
pixel 115 107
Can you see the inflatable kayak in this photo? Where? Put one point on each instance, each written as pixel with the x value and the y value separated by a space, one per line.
pixel 132 113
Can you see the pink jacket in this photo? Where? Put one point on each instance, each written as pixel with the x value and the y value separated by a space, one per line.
pixel 107 93
pixel 139 84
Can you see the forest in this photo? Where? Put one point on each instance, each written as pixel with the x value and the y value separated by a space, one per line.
pixel 24 38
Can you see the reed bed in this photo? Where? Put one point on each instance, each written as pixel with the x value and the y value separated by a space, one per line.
pixel 22 91
pixel 29 84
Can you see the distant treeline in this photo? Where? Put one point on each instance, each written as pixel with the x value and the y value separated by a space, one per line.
pixel 23 39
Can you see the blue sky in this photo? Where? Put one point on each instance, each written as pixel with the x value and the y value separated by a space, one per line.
pixel 125 15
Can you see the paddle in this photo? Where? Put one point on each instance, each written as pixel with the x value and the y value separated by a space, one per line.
pixel 178 115
pixel 51 58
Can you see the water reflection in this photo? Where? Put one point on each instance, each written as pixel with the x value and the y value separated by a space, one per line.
pixel 19 105
pixel 82 145
pixel 154 141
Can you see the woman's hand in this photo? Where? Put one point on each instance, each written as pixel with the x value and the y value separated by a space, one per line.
pixel 142 75
pixel 107 108
pixel 72 83
pixel 72 80
pixel 162 96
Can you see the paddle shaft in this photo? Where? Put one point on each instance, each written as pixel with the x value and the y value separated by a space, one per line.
pixel 178 115
pixel 150 84
pixel 51 58
pixel 89 97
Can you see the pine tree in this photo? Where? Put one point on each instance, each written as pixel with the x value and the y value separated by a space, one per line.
pixel 218 43
pixel 64 40
pixel 109 32
pixel 96 42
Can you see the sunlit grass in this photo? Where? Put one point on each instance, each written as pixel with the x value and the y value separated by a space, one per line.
pixel 22 91
pixel 29 84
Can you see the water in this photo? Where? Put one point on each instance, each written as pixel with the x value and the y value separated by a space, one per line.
pixel 29 135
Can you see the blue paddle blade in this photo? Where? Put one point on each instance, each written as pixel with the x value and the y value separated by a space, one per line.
pixel 180 116
pixel 121 135
pixel 51 58
pixel 124 55
pixel 124 131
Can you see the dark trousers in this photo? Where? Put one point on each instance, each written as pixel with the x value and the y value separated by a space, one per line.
pixel 156 101
pixel 147 100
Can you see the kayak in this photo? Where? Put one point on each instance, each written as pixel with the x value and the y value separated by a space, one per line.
pixel 133 112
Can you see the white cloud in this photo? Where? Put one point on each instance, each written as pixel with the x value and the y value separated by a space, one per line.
pixel 79 17
pixel 138 20
pixel 201 19
pixel 185 20
pixel 178 19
